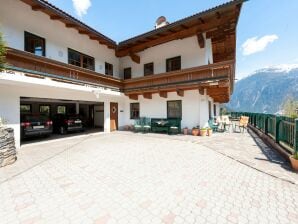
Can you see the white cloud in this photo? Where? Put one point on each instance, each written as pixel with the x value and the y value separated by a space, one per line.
pixel 255 44
pixel 81 6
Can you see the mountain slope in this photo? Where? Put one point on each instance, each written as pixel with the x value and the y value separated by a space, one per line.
pixel 265 91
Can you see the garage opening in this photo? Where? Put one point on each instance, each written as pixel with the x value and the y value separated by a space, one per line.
pixel 42 118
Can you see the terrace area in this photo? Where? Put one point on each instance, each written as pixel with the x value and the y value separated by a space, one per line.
pixel 126 177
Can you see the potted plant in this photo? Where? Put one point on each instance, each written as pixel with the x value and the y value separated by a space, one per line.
pixel 203 131
pixel 195 131
pixel 294 161
pixel 185 131
pixel 209 130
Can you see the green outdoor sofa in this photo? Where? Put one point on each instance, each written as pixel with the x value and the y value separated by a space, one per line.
pixel 168 125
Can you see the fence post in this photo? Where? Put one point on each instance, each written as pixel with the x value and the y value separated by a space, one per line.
pixel 266 124
pixel 296 136
pixel 277 122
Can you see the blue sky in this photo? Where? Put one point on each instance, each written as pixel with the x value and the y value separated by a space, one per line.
pixel 267 33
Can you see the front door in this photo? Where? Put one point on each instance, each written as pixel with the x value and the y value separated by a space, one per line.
pixel 114 116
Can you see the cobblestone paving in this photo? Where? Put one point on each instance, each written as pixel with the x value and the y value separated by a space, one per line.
pixel 127 178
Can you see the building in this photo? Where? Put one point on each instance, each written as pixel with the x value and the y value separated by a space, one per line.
pixel 57 63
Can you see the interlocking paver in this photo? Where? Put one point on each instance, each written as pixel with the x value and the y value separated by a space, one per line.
pixel 134 178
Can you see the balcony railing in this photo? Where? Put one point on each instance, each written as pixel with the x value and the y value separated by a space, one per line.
pixel 283 130
pixel 196 75
pixel 44 67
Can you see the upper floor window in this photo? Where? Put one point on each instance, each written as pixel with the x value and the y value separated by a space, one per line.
pixel 108 69
pixel 173 64
pixel 149 69
pixel 81 60
pixel 35 44
pixel 127 73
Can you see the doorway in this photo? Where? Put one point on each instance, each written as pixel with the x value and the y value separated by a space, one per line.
pixel 114 116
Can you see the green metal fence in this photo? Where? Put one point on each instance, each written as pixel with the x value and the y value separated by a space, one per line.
pixel 283 130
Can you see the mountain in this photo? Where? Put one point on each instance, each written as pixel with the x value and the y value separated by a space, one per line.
pixel 266 90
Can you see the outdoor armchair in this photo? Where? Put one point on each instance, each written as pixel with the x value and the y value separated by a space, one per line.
pixel 213 125
pixel 243 122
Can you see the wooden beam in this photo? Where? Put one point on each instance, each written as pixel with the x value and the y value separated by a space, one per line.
pixel 180 92
pixel 135 58
pixel 147 95
pixel 201 91
pixel 55 17
pixel 133 97
pixel 93 38
pixel 83 32
pixel 37 7
pixel 70 25
pixel 202 20
pixel 201 40
pixel 184 26
pixel 163 94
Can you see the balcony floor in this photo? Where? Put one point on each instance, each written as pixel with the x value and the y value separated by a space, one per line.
pixel 149 178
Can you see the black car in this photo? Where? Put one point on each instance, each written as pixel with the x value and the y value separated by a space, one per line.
pixel 63 123
pixel 35 125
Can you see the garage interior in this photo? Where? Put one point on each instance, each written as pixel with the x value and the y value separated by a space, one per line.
pixel 91 113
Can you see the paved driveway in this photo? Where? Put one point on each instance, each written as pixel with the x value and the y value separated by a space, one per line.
pixel 127 178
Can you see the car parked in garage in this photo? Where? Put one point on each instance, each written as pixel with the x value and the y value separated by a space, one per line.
pixel 33 125
pixel 63 123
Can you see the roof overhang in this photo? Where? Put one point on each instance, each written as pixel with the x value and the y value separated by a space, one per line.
pixel 69 21
pixel 218 23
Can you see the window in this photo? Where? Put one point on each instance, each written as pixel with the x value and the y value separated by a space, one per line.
pixel 35 44
pixel 25 108
pixel 109 69
pixel 81 60
pixel 149 69
pixel 134 111
pixel 174 109
pixel 173 64
pixel 61 110
pixel 127 73
pixel 45 109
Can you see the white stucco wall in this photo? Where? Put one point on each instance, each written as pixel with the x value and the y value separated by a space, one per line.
pixel 194 108
pixel 191 56
pixel 17 17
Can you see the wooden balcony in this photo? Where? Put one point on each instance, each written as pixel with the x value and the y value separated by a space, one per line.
pixel 216 79
pixel 41 67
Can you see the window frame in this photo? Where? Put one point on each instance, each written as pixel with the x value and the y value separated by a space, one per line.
pixel 124 71
pixel 82 57
pixel 171 101
pixel 23 112
pixel 168 60
pixel 110 70
pixel 61 106
pixel 131 114
pixel 151 72
pixel 26 47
